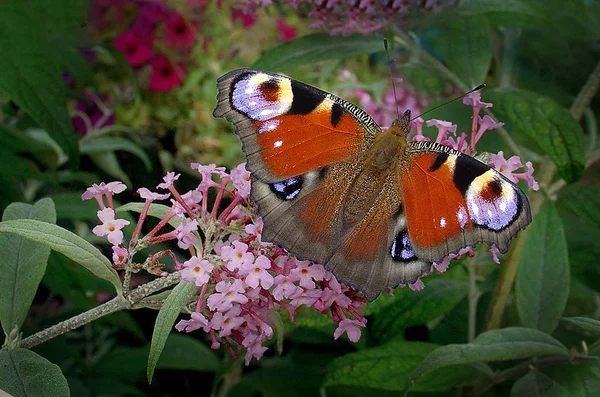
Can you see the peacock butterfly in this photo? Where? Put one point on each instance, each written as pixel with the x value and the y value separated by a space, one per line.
pixel 334 188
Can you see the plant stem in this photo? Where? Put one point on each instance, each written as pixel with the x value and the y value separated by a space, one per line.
pixel 118 303
pixel 474 295
pixel 586 94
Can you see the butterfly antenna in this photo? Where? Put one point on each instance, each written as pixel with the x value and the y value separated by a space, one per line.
pixel 389 62
pixel 479 87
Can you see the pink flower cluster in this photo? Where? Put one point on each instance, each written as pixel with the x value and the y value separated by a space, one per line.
pixel 243 281
pixel 364 16
pixel 385 113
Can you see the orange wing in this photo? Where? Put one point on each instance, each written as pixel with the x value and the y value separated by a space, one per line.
pixel 452 201
pixel 289 128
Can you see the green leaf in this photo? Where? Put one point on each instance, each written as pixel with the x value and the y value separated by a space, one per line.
pixel 587 324
pixel 177 300
pixel 554 129
pixel 318 47
pixel 543 281
pixel 108 162
pixel 30 73
pixel 22 264
pixel 111 144
pixel 68 244
pixel 501 344
pixel 12 164
pixel 581 380
pixel 405 309
pixel 388 366
pixel 467 46
pixel 181 352
pixel 584 201
pixel 24 373
pixel 536 383
pixel 562 18
pixel 69 205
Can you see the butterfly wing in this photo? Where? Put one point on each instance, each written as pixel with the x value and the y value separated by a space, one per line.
pixel 289 128
pixel 452 201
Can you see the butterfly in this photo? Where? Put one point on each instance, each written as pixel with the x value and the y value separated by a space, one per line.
pixel 334 188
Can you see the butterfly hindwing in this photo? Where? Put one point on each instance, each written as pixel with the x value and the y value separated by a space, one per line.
pixel 452 201
pixel 289 128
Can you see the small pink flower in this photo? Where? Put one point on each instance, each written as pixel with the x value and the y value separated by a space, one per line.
pixel 474 100
pixel 95 191
pixel 528 176
pixel 417 285
pixel 168 179
pixel 256 229
pixel 506 167
pixel 307 273
pixel 254 347
pixel 110 227
pixel 444 128
pixel 196 321
pixel 495 251
pixel 240 178
pixel 285 288
pixel 307 298
pixel 258 274
pixel 227 294
pixel 180 33
pixel 207 171
pixel 247 19
pixel 149 195
pixel 185 233
pixel 236 257
pixel 135 50
pixel 197 270
pixel 351 328
pixel 165 76
pixel 226 322
pixel 120 255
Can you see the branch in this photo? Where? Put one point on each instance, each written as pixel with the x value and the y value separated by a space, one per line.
pixel 116 304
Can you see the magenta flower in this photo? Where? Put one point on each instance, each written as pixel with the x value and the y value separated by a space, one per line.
pixel 286 32
pixel 92 113
pixel 180 33
pixel 247 19
pixel 134 48
pixel 165 76
pixel 197 270
pixel 110 226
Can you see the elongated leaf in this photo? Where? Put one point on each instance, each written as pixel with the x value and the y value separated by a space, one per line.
pixel 111 144
pixel 496 345
pixel 388 366
pixel 318 47
pixel 543 281
pixel 393 314
pixel 30 73
pixel 177 300
pixel 584 201
pixel 587 324
pixel 467 46
pixel 67 243
pixel 24 373
pixel 581 380
pixel 536 383
pixel 22 264
pixel 109 163
pixel 551 125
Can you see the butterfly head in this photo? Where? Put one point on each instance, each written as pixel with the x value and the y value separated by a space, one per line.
pixel 401 126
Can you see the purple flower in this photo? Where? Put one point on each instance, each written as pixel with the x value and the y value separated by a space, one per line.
pixel 91 113
pixel 349 327
pixel 474 100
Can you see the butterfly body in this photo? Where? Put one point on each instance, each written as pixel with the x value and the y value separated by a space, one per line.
pixel 334 188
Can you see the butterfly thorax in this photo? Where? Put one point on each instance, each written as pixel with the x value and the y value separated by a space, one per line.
pixel 379 164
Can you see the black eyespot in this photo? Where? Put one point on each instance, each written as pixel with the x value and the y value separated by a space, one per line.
pixel 401 248
pixel 288 189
